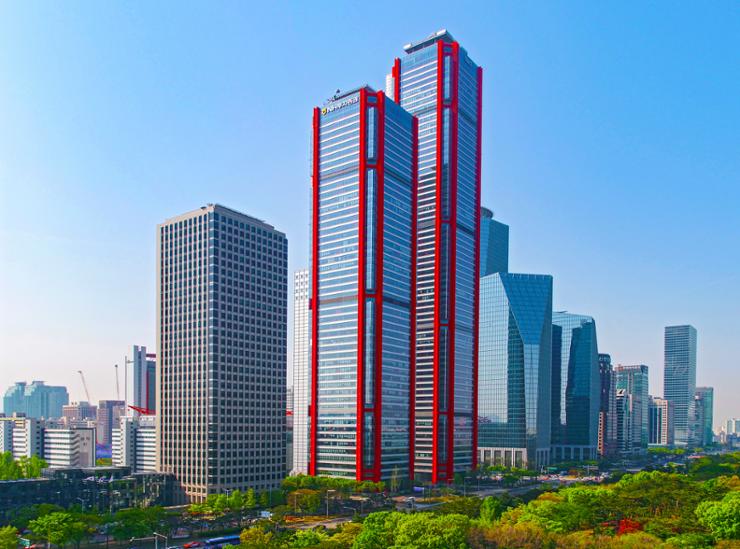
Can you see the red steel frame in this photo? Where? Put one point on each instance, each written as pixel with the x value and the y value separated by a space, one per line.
pixel 396 75
pixel 476 306
pixel 414 229
pixel 451 50
pixel 377 101
pixel 370 101
pixel 314 303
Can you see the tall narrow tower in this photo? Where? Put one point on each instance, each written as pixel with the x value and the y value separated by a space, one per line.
pixel 438 83
pixel 679 377
pixel 362 286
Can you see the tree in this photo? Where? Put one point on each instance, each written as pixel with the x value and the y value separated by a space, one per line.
pixel 456 505
pixel 491 509
pixel 136 522
pixel 235 501
pixel 256 538
pixel 428 531
pixel 9 468
pixel 8 537
pixel 722 518
pixel 55 528
pixel 308 538
pixel 250 501
pixel 265 499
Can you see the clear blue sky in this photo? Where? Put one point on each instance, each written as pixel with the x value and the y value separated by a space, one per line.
pixel 611 147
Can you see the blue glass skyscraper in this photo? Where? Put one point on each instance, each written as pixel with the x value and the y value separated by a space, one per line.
pixel 438 83
pixel 514 375
pixel 494 244
pixel 575 436
pixel 362 287
pixel 634 381
pixel 679 381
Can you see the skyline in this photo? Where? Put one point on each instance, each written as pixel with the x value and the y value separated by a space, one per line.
pixel 53 164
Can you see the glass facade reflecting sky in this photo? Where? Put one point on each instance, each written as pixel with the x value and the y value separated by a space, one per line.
pixel 634 381
pixel 437 82
pixel 575 436
pixel 679 376
pixel 494 244
pixel 515 339
pixel 364 194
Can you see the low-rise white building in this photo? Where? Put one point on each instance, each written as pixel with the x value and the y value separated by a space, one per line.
pixel 134 443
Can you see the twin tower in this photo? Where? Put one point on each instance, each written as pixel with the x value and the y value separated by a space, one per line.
pixel 395 240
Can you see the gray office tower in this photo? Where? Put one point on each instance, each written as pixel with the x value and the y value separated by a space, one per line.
pixel 221 348
pixel 494 244
pixel 576 372
pixel 679 381
pixel 514 365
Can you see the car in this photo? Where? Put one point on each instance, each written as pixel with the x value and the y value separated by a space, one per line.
pixel 192 544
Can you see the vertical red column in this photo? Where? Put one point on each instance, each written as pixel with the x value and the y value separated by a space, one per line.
pixel 453 52
pixel 396 76
pixel 379 235
pixel 437 260
pixel 362 188
pixel 314 303
pixel 476 303
pixel 412 339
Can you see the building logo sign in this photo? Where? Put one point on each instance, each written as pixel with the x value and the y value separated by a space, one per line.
pixel 336 106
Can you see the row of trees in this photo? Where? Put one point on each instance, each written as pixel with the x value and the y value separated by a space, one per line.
pixel 649 509
pixel 24 467
pixel 55 525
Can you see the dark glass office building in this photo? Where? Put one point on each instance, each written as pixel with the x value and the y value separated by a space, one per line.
pixel 438 83
pixel 607 444
pixel 575 435
pixel 362 287
pixel 514 361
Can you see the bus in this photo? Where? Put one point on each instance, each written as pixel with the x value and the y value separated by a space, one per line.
pixel 218 543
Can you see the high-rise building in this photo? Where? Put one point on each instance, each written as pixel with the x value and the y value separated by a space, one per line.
pixel 108 414
pixel 494 244
pixel 514 390
pixel 301 371
pixel 576 433
pixel 607 444
pixel 679 381
pixel 733 426
pixel 660 420
pixel 633 379
pixel 704 416
pixel 364 193
pixel 135 443
pixel 35 400
pixel 145 381
pixel 438 83
pixel 221 352
pixel 80 410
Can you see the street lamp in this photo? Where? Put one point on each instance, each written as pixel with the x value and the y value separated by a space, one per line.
pixel 327 502
pixel 157 536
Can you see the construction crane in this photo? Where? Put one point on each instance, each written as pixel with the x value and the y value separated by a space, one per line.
pixel 84 384
pixel 118 387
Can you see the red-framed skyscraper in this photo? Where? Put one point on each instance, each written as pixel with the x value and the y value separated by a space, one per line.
pixel 438 83
pixel 362 287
